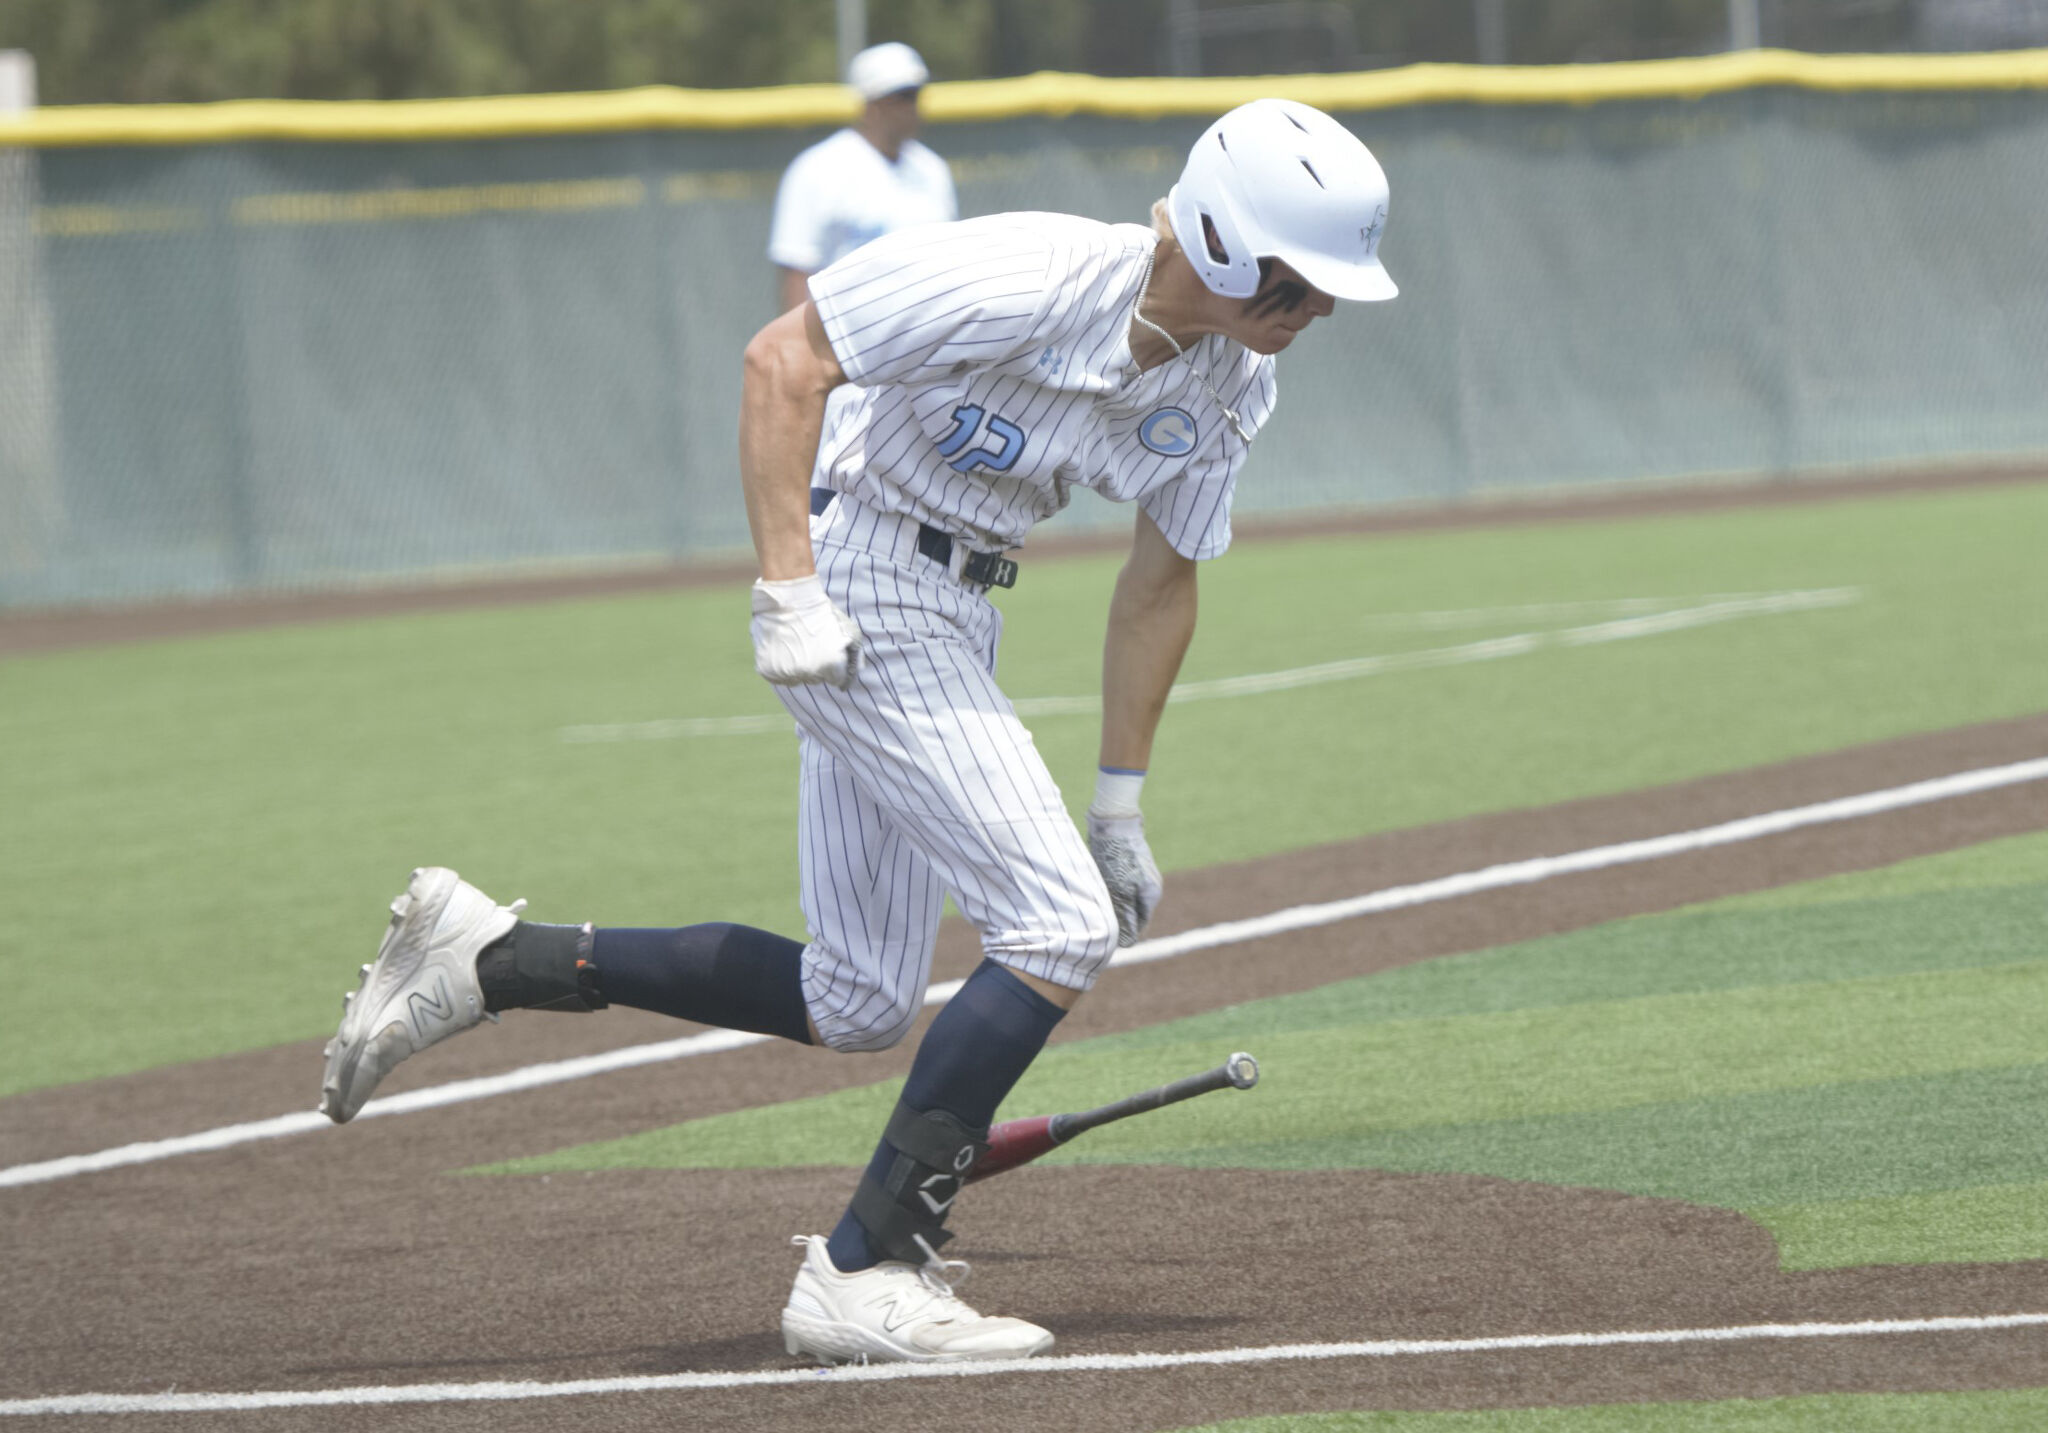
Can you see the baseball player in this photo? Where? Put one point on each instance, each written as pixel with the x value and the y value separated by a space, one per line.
pixel 864 181
pixel 994 364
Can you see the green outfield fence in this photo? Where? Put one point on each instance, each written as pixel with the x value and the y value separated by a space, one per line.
pixel 287 346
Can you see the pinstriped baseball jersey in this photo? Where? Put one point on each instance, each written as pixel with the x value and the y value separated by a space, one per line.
pixel 995 371
pixel 921 781
pixel 991 372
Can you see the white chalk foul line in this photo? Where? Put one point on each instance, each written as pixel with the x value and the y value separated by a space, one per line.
pixel 1543 868
pixel 1076 1363
pixel 1490 878
pixel 1584 611
pixel 1638 623
pixel 455 1092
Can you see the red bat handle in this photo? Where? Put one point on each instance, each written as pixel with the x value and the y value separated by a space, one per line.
pixel 1014 1142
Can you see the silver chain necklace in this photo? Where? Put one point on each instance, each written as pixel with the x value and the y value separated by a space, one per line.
pixel 1138 313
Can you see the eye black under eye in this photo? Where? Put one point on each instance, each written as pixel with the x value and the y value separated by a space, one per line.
pixel 1283 297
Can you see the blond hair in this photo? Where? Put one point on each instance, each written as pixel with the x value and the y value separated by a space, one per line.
pixel 1162 225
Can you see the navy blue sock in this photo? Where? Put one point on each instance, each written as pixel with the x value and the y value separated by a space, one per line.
pixel 977 1048
pixel 732 976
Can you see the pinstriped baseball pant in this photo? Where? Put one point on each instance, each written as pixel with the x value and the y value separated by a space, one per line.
pixel 921 781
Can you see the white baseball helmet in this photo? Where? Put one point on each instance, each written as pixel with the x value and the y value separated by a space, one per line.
pixel 1278 179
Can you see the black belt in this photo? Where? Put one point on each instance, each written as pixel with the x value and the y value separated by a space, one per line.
pixel 984 569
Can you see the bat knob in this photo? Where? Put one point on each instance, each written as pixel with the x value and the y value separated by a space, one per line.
pixel 1243 1070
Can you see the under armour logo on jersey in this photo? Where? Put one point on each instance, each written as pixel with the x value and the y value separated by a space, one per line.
pixel 1170 432
pixel 1050 363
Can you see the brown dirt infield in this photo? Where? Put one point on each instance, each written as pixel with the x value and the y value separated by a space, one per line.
pixel 354 1258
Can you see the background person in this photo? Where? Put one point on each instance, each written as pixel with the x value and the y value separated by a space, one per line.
pixel 862 182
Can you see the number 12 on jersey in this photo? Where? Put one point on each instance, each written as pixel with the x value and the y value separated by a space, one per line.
pixel 1002 442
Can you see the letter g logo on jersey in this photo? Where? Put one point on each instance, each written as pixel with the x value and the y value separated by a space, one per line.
pixel 1170 432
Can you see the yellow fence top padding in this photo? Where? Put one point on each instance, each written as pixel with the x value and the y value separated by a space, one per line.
pixel 1042 95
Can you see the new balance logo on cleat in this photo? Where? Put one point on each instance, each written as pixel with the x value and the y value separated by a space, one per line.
pixel 894 1312
pixel 897 1312
pixel 430 1012
pixel 421 989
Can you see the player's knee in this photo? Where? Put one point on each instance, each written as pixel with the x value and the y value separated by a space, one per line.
pixel 1090 948
pixel 1102 932
pixel 868 1039
pixel 877 1022
pixel 866 999
pixel 1094 941
pixel 1070 957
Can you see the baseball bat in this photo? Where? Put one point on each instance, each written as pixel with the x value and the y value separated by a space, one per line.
pixel 1015 1142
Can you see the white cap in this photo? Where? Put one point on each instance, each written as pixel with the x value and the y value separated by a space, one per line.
pixel 886 70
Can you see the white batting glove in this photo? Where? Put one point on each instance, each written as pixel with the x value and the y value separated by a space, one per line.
pixel 800 636
pixel 1116 838
pixel 1125 860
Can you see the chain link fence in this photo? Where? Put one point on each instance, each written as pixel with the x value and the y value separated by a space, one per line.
pixel 279 366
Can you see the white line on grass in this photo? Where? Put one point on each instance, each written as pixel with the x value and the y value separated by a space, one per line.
pixel 1543 868
pixel 456 1092
pixel 1619 629
pixel 1490 878
pixel 1074 1363
pixel 1586 611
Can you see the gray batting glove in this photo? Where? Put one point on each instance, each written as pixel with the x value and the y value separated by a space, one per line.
pixel 1125 860
pixel 800 636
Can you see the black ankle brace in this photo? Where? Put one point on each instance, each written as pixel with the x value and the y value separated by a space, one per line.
pixel 904 1213
pixel 541 967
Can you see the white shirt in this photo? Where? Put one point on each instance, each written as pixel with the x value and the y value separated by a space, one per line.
pixel 995 370
pixel 842 192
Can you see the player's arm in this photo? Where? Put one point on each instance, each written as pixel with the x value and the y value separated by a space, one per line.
pixel 790 368
pixel 799 636
pixel 1151 620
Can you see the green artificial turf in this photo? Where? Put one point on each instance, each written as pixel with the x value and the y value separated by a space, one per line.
pixel 2023 1410
pixel 197 836
pixel 1857 1063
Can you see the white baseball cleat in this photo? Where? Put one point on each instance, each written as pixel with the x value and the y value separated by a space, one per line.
pixel 421 989
pixel 894 1313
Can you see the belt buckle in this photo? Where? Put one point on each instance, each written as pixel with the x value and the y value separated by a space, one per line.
pixel 989 569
